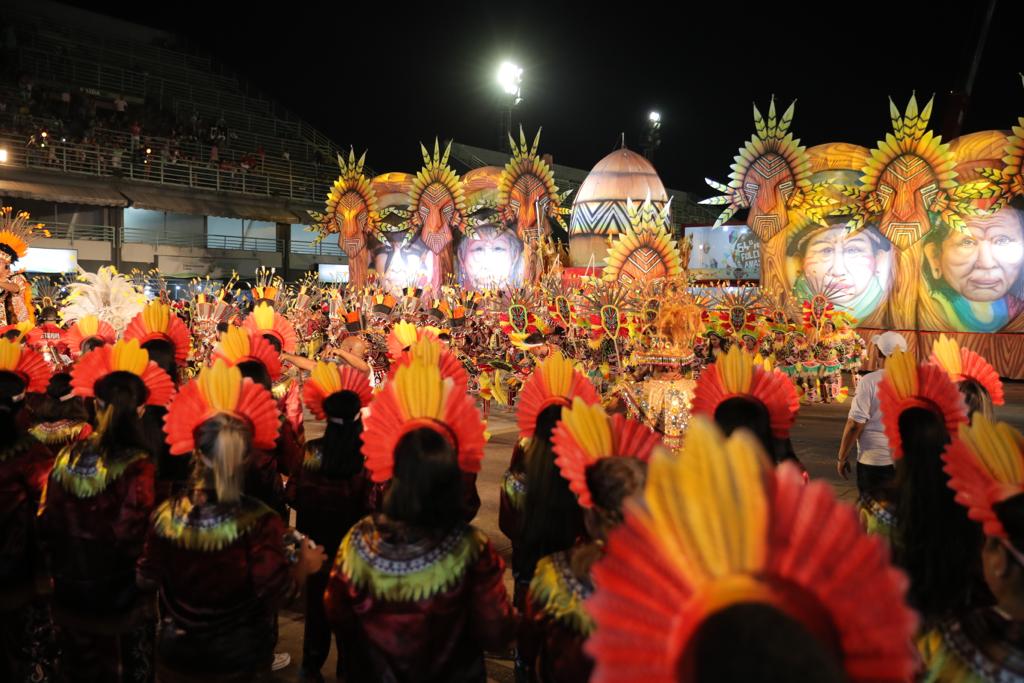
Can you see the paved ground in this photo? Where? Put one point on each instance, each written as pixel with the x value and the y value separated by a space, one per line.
pixel 815 438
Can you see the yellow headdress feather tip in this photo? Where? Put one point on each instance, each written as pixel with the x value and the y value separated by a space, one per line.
pixel 10 354
pixel 589 426
pixel 89 326
pixel 947 353
pixel 405 332
pixel 156 316
pixel 327 377
pixel 709 503
pixel 901 369
pixel 557 372
pixel 419 390
pixel 235 343
pixel 997 446
pixel 128 356
pixel 221 385
pixel 736 370
pixel 264 316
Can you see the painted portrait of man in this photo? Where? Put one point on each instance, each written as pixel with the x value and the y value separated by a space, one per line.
pixel 491 258
pixel 855 267
pixel 973 277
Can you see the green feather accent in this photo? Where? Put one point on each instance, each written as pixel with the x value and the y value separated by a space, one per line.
pixel 314 458
pixel 54 433
pixel 514 485
pixel 559 594
pixel 89 480
pixel 434 571
pixel 174 520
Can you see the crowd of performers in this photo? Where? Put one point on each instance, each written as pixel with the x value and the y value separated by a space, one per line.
pixel 150 457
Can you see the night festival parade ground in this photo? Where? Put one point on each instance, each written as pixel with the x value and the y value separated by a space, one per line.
pixel 328 359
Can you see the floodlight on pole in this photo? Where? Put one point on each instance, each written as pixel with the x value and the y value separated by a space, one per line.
pixel 652 136
pixel 510 77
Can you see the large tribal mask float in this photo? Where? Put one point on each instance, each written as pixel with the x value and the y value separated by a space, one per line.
pixel 351 212
pixel 489 256
pixel 438 210
pixel 909 181
pixel 527 196
pixel 645 253
pixel 770 176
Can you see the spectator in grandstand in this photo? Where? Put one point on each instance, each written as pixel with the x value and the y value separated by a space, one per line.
pixel 121 107
pixel 136 133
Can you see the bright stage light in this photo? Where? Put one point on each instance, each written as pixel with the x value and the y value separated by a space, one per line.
pixel 654 117
pixel 3 155
pixel 510 76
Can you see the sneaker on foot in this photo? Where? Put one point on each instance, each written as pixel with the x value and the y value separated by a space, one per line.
pixel 281 660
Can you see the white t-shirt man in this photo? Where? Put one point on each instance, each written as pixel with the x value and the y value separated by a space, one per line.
pixel 872 445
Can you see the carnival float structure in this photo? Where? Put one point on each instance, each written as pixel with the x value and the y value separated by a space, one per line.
pixel 915 234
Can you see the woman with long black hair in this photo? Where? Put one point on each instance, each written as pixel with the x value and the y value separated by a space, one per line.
pixel 416 593
pixel 603 459
pixel 332 490
pixel 538 512
pixel 24 465
pixel 218 557
pixel 166 339
pixel 94 517
pixel 985 643
pixel 934 541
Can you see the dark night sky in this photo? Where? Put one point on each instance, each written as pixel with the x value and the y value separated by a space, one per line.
pixel 386 76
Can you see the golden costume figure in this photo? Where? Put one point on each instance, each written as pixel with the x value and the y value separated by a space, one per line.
pixel 15 290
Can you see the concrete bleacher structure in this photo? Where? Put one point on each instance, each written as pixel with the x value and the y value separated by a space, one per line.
pixel 186 215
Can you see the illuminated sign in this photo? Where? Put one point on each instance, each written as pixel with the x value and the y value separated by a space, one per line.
pixel 40 260
pixel 730 252
pixel 331 272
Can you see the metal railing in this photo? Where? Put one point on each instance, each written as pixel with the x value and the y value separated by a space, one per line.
pixel 156 238
pixel 95 160
pixel 316 249
pixel 77 231
pixel 163 238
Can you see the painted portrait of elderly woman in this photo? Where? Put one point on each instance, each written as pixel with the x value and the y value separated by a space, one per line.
pixel 972 278
pixel 856 267
pixel 491 258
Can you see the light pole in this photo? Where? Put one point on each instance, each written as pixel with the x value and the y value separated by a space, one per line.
pixel 510 79
pixel 652 136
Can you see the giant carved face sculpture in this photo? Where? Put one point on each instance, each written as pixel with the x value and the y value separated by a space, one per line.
pixel 353 222
pixel 436 214
pixel 906 188
pixel 529 201
pixel 643 265
pixel 767 187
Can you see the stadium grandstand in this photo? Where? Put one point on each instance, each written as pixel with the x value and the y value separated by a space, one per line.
pixel 137 150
